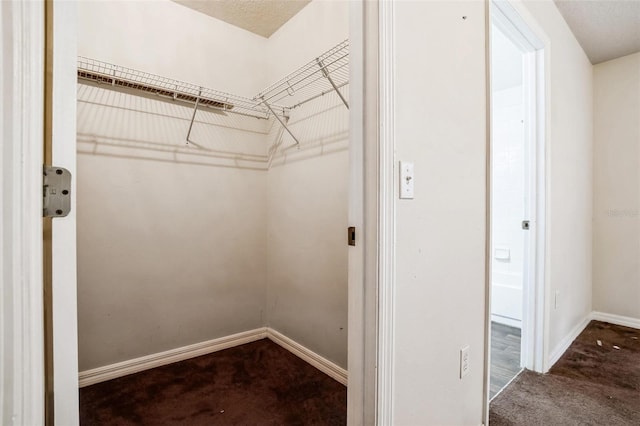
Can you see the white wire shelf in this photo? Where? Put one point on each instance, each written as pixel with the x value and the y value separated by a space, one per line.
pixel 328 72
pixel 121 78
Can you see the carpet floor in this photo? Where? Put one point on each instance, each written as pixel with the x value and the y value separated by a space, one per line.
pixel 591 384
pixel 258 383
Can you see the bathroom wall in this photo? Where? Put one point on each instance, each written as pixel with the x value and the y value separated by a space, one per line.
pixel 508 182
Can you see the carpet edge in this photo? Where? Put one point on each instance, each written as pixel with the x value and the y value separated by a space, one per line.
pixel 616 319
pixel 147 362
pixel 327 367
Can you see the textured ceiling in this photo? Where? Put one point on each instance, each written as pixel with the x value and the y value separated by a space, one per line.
pixel 606 29
pixel 262 17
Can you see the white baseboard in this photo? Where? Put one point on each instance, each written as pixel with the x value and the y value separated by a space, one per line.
pixel 506 321
pixel 616 319
pixel 562 347
pixel 327 367
pixel 112 371
pixel 124 368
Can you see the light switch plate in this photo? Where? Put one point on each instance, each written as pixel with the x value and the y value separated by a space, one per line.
pixel 406 180
pixel 464 361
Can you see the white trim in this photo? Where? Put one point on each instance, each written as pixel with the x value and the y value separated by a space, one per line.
pixel 356 264
pixel 575 332
pixel 567 341
pixel 327 367
pixel 488 291
pixel 21 156
pixel 506 321
pixel 124 368
pixel 387 215
pixel 363 213
pixel 616 319
pixel 516 27
pixel 64 305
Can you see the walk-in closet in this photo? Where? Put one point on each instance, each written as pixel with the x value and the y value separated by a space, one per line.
pixel 212 204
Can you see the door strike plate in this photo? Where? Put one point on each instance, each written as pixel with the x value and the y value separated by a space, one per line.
pixel 526 225
pixel 351 235
pixel 56 191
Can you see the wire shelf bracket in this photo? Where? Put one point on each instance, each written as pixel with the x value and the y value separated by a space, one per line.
pixel 328 77
pixel 282 122
pixel 193 116
pixel 325 74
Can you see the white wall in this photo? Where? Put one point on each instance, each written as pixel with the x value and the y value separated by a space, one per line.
pixel 616 204
pixel 507 255
pixel 569 172
pixel 440 114
pixel 173 41
pixel 171 251
pixel 508 181
pixel 440 242
pixel 307 198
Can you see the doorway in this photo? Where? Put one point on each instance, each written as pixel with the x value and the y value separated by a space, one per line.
pixel 517 198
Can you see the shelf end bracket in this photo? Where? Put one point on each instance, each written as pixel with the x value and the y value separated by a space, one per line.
pixel 333 84
pixel 284 125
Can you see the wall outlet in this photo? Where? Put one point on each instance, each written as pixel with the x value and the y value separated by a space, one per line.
pixel 556 300
pixel 464 361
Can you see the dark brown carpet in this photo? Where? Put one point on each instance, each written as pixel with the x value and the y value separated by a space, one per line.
pixel 259 383
pixel 589 385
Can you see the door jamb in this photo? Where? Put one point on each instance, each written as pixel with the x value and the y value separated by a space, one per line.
pixel 372 210
pixel 529 36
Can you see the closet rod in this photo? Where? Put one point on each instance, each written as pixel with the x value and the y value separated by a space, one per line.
pixel 321 94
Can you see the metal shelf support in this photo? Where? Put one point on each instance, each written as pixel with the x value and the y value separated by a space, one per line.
pixel 284 125
pixel 328 77
pixel 193 116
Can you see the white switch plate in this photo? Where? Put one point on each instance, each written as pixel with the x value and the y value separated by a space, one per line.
pixel 406 180
pixel 464 361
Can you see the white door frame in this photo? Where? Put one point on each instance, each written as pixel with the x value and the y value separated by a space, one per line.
pixel 516 23
pixel 21 155
pixel 372 211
